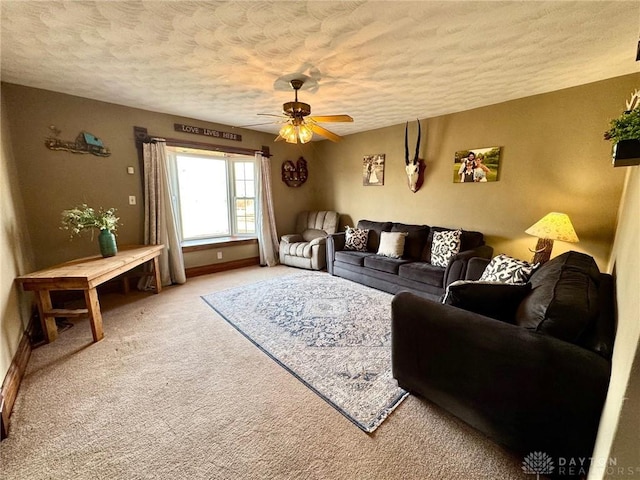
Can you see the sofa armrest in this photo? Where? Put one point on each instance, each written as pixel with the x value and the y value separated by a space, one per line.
pixel 457 267
pixel 318 241
pixel 292 238
pixel 476 267
pixel 335 243
pixel 526 390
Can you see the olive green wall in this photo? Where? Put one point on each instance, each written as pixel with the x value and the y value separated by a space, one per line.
pixel 553 159
pixel 15 253
pixel 52 181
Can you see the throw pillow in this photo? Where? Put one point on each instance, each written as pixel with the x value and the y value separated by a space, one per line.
pixel 491 299
pixel 392 244
pixel 445 245
pixel 356 239
pixel 506 269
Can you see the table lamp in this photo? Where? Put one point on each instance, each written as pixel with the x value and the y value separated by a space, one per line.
pixel 553 226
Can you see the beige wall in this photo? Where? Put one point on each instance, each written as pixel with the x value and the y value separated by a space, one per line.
pixel 15 253
pixel 619 434
pixel 553 159
pixel 52 181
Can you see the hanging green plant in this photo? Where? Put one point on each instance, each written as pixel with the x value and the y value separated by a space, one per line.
pixel 625 127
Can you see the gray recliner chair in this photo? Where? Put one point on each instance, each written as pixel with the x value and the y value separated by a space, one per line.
pixel 307 247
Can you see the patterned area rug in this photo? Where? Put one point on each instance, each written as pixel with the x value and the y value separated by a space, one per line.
pixel 332 334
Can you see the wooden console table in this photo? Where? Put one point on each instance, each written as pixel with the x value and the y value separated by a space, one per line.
pixel 85 274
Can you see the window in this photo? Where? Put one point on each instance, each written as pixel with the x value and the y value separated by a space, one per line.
pixel 215 193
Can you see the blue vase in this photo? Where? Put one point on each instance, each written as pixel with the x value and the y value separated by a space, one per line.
pixel 107 242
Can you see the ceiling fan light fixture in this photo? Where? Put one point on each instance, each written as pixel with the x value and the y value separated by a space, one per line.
pixel 304 133
pixel 288 132
pixel 294 132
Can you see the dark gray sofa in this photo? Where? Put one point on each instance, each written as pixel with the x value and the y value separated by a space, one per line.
pixel 412 272
pixel 534 383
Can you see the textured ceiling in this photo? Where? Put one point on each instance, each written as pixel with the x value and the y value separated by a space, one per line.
pixel 383 63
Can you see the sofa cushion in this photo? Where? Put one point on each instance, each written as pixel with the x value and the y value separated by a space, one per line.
pixel 445 245
pixel 416 239
pixel 352 258
pixel 313 233
pixel 506 269
pixel 470 240
pixel 375 229
pixel 318 220
pixel 384 264
pixel 491 299
pixel 392 244
pixel 356 239
pixel 563 301
pixel 422 272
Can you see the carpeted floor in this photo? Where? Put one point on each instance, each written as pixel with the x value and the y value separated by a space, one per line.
pixel 175 392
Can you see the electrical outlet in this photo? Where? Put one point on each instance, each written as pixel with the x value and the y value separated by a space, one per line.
pixel 219 255
pixel 130 170
pixel 132 199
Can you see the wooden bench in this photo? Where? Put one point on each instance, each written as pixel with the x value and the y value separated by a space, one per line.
pixel 85 274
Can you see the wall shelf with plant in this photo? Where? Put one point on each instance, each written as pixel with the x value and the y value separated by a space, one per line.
pixel 624 134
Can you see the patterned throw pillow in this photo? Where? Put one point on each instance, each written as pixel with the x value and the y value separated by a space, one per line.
pixel 506 269
pixel 356 239
pixel 392 244
pixel 445 245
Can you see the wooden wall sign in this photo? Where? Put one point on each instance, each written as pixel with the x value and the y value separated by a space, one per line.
pixel 207 132
pixel 85 142
pixel 296 174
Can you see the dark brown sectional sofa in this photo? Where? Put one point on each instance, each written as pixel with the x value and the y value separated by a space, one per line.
pixel 534 381
pixel 412 272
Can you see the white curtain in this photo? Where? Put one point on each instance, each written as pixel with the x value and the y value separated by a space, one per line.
pixel 160 226
pixel 266 224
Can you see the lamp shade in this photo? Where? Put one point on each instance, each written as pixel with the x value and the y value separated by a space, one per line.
pixel 554 226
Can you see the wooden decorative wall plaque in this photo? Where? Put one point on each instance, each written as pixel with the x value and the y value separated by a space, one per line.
pixel 296 174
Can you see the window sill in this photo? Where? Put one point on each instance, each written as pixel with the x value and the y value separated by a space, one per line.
pixel 211 243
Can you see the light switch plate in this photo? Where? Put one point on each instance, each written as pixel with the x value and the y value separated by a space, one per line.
pixel 132 199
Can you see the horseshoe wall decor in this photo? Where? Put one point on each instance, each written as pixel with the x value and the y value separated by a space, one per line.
pixel 296 174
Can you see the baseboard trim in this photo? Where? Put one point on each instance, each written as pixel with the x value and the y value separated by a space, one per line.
pixel 221 267
pixel 12 380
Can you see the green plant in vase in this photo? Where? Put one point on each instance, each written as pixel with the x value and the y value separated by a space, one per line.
pixel 78 220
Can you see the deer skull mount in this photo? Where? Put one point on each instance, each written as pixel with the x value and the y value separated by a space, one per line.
pixel 415 168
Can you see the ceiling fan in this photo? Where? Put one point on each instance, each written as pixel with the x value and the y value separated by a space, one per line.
pixel 299 125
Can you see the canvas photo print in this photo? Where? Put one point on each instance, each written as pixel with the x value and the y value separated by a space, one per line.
pixel 476 165
pixel 373 169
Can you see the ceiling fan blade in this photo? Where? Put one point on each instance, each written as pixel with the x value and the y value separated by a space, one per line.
pixel 331 118
pixel 272 115
pixel 324 132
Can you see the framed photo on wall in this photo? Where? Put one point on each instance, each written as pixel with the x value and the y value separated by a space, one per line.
pixel 477 165
pixel 373 169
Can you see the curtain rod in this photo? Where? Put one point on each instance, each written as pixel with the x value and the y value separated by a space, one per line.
pixel 142 136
